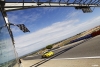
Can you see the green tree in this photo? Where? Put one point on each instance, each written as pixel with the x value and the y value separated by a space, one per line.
pixel 49 46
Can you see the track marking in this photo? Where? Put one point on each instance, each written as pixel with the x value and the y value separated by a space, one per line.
pixel 94 57
pixel 95 65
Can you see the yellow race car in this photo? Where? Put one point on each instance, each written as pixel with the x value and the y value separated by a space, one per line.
pixel 48 54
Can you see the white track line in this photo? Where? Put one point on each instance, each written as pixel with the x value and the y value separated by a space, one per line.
pixel 94 57
pixel 95 65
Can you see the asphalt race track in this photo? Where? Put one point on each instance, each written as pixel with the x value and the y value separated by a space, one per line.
pixel 82 49
pixel 90 48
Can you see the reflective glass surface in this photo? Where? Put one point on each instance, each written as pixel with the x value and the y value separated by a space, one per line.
pixel 7 53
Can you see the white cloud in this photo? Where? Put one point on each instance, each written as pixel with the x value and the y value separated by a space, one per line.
pixel 48 31
pixel 49 8
pixel 53 33
pixel 72 14
pixel 21 17
pixel 15 29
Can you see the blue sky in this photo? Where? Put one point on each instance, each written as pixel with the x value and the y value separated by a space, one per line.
pixel 49 25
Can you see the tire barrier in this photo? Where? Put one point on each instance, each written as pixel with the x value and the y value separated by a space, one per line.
pixel 81 38
pixel 95 33
pixel 86 36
